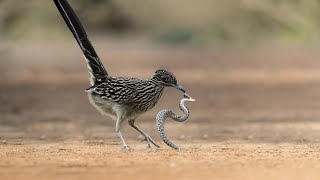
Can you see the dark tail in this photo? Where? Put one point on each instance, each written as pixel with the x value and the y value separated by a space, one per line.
pixel 96 69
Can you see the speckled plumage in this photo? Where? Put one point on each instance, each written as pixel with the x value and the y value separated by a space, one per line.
pixel 135 96
pixel 140 94
pixel 122 98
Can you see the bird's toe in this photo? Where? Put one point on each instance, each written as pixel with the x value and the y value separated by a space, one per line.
pixel 150 140
pixel 126 148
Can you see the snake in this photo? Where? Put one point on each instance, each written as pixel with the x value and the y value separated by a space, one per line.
pixel 167 113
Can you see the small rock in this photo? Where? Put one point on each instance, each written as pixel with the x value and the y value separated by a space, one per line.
pixel 4 142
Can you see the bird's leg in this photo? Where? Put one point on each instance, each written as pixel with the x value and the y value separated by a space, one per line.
pixel 118 127
pixel 125 146
pixel 146 136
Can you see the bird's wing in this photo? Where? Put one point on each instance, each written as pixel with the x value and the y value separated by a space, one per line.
pixel 121 90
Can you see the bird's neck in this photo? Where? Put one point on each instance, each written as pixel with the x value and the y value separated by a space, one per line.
pixel 155 82
pixel 158 86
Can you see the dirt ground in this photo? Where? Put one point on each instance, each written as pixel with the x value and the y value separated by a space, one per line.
pixel 256 114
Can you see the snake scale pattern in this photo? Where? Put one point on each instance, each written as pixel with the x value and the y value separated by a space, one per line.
pixel 167 113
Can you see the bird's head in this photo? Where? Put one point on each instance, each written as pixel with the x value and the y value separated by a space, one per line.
pixel 166 78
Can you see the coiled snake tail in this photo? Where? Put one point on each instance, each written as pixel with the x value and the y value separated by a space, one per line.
pixel 165 113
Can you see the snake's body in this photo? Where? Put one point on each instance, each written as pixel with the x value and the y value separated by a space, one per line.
pixel 163 114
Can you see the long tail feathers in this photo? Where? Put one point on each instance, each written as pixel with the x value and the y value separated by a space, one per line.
pixel 96 69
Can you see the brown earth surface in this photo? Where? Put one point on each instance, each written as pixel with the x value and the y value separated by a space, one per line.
pixel 256 114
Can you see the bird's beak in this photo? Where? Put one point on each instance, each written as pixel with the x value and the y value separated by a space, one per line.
pixel 180 88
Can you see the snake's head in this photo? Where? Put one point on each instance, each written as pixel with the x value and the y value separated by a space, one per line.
pixel 189 98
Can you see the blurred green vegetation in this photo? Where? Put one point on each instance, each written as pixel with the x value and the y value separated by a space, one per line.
pixel 174 22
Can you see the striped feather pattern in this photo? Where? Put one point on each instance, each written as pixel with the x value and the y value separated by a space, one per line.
pixel 140 94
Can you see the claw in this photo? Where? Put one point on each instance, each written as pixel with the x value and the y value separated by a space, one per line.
pixel 149 139
pixel 126 148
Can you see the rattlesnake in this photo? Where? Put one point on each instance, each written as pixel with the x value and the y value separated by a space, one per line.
pixel 165 113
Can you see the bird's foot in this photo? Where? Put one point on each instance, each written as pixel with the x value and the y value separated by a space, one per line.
pixel 150 140
pixel 126 148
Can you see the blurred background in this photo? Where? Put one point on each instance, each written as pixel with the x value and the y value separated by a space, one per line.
pixel 253 67
pixel 201 23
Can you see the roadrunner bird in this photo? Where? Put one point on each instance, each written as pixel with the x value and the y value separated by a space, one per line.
pixel 122 98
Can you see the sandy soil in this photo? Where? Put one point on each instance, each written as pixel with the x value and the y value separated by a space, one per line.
pixel 256 115
pixel 206 161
